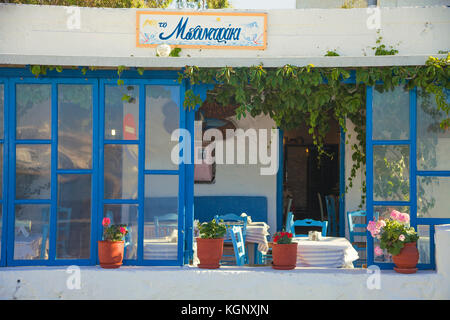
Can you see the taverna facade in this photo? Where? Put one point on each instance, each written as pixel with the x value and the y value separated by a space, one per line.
pixel 93 137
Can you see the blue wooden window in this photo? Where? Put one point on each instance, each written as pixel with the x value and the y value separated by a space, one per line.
pixel 75 149
pixel 408 167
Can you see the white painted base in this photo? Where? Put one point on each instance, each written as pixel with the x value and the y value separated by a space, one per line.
pixel 226 283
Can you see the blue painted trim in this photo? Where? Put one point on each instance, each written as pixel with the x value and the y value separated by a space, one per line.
pixel 391 142
pixel 433 173
pixel 157 75
pixel 141 174
pixel 342 183
pixel 5 145
pixel 413 157
pixel 369 172
pixel 280 181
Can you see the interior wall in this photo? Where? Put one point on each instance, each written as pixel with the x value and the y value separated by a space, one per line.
pixel 245 179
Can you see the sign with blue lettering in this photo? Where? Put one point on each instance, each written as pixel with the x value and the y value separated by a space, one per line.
pixel 206 30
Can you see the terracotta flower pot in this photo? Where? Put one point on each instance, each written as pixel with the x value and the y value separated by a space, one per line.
pixel 284 256
pixel 110 254
pixel 209 252
pixel 406 260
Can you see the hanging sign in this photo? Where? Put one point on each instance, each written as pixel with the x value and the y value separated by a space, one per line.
pixel 205 30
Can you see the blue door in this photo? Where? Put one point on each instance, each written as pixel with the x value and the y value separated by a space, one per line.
pixel 408 165
pixel 77 150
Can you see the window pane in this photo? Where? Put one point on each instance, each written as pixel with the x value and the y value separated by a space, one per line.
pixel 33 171
pixel 31 232
pixel 433 143
pixel 423 244
pixel 121 171
pixel 33 112
pixel 432 197
pixel 391 173
pixel 73 223
pixel 161 217
pixel 122 112
pixel 2 108
pixel 388 108
pixel 125 214
pixel 162 118
pixel 74 126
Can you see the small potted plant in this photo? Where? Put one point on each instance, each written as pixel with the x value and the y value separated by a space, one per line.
pixel 110 249
pixel 284 251
pixel 210 244
pixel 398 239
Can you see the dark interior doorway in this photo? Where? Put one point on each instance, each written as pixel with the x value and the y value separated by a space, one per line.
pixel 307 181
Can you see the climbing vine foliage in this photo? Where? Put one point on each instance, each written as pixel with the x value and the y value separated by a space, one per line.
pixel 296 96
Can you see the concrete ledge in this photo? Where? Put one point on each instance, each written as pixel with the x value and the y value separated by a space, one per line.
pixel 214 62
pixel 227 283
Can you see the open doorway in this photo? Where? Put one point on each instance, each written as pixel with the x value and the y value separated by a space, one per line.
pixel 311 187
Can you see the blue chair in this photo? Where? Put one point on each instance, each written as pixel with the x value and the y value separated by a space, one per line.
pixel 63 230
pixel 261 258
pixel 309 223
pixel 352 226
pixel 289 221
pixel 231 220
pixel 165 224
pixel 331 212
pixel 238 245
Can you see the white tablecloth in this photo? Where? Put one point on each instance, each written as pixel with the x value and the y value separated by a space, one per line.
pixel 330 252
pixel 257 232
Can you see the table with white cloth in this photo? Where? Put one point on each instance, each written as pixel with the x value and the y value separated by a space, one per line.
pixel 329 252
pixel 256 233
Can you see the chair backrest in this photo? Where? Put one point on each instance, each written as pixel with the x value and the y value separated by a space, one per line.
pixel 232 219
pixel 169 220
pixel 238 244
pixel 331 211
pixel 352 225
pixel 320 206
pixel 289 221
pixel 64 227
pixel 309 223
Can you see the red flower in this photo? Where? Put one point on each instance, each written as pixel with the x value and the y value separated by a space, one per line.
pixel 106 222
pixel 123 230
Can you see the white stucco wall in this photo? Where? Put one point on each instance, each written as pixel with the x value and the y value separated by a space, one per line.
pixel 40 35
pixel 230 283
pixel 245 179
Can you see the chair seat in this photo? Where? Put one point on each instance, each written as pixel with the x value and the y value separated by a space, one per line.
pixel 360 244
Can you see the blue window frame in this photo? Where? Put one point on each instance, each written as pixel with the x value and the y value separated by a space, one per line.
pixel 394 143
pixel 53 180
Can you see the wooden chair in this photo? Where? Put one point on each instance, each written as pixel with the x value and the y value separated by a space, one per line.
pixel 231 220
pixel 359 246
pixel 309 223
pixel 165 224
pixel 238 245
pixel 331 212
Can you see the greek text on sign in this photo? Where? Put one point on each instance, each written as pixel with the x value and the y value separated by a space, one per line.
pixel 224 30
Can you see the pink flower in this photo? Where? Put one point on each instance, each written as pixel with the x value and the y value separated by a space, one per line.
pixel 380 224
pixel 395 214
pixel 403 217
pixel 378 251
pixel 401 237
pixel 106 222
pixel 123 230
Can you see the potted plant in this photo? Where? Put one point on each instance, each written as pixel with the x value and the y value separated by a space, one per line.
pixel 210 244
pixel 110 249
pixel 398 239
pixel 284 251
